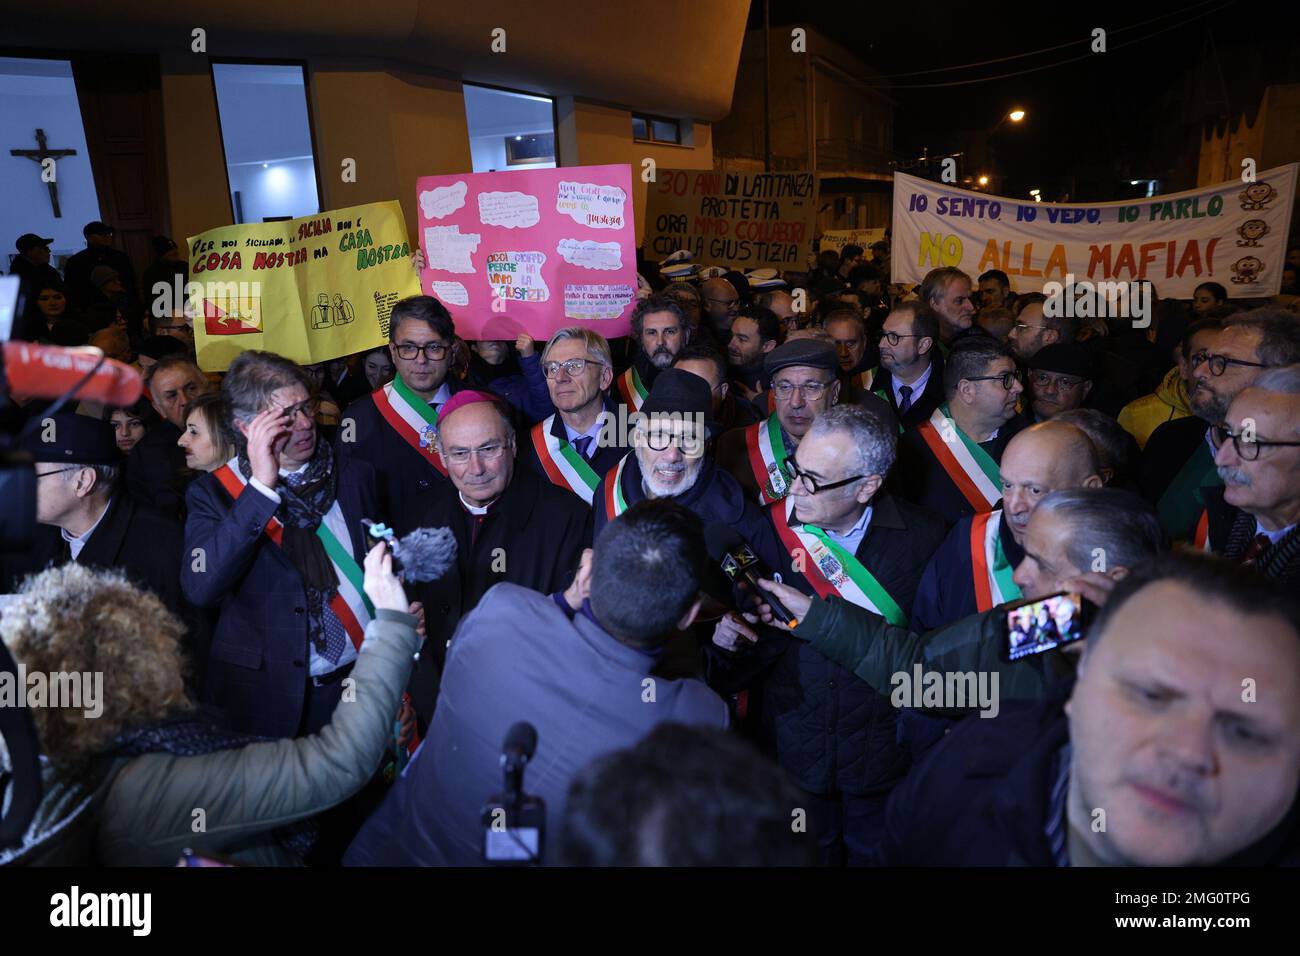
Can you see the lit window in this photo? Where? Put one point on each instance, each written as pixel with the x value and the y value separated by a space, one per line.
pixel 509 129
pixel 267 137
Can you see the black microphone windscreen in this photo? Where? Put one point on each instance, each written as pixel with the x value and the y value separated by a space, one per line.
pixel 426 553
pixel 721 540
pixel 522 737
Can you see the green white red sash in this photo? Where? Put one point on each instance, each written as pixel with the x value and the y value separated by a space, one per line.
pixel 969 466
pixel 829 567
pixel 411 417
pixel 615 503
pixel 349 603
pixel 563 465
pixel 991 569
pixel 1201 537
pixel 632 389
pixel 767 457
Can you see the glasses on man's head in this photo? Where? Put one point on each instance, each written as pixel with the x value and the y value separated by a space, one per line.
pixel 572 367
pixel 308 408
pixel 810 390
pixel 433 351
pixel 1219 363
pixel 1064 383
pixel 489 452
pixel 1006 378
pixel 893 338
pixel 1247 448
pixel 795 473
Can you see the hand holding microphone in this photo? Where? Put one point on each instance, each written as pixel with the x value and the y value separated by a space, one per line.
pixel 743 567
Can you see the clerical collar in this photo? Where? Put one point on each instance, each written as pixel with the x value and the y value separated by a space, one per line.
pixel 475 509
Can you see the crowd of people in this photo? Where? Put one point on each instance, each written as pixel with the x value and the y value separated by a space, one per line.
pixel 898 464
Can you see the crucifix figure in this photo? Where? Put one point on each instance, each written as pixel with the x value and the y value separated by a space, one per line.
pixel 40 156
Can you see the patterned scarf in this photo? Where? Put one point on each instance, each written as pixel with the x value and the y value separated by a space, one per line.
pixel 305 498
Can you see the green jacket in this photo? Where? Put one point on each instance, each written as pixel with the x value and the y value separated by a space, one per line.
pixel 876 650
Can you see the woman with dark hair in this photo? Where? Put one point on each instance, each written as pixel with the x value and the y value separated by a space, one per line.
pixel 48 315
pixel 130 423
pixel 1206 297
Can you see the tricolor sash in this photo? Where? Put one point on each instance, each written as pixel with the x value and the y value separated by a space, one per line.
pixel 615 503
pixel 563 465
pixel 411 417
pixel 969 466
pixel 632 389
pixel 1182 504
pixel 830 569
pixel 990 567
pixel 767 457
pixel 1201 537
pixel 349 603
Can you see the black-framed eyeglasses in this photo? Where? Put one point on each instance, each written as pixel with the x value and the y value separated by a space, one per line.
pixel 572 367
pixel 690 441
pixel 1219 363
pixel 59 471
pixel 308 407
pixel 1006 378
pixel 794 473
pixel 893 337
pixel 1063 382
pixel 1247 449
pixel 433 351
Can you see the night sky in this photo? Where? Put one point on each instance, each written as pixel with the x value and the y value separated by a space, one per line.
pixel 1132 112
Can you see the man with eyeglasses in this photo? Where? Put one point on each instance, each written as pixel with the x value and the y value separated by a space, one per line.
pixel 1177 466
pixel 575 446
pixel 719 305
pixel 1060 379
pixel 801 377
pixel 660 330
pixel 949 462
pixel 78 491
pixel 156 475
pixel 1035 329
pixel 670 459
pixel 510 525
pixel 274 541
pixel 1169 401
pixel 1255 518
pixel 910 376
pixel 841 535
pixel 393 427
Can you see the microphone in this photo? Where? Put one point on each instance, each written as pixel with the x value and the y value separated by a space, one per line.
pixel 424 554
pixel 739 563
pixel 49 371
pixel 519 746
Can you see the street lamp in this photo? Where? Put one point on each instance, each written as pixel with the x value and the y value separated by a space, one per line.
pixel 1016 115
pixel 983 180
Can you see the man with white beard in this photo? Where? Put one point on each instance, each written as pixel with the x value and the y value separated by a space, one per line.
pixel 671 458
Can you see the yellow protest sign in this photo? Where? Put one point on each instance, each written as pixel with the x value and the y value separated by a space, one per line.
pixel 310 289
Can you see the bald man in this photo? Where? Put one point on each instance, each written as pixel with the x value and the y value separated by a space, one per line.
pixel 971 571
pixel 719 306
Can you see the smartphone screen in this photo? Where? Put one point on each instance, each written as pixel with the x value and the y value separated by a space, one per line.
pixel 1033 627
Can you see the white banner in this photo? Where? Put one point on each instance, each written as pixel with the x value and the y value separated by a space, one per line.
pixel 1233 233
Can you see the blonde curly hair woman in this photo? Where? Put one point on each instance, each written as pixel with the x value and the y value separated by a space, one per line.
pixel 125 774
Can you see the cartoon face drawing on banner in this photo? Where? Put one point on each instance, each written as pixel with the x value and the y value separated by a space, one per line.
pixel 1251 231
pixel 1257 195
pixel 1247 269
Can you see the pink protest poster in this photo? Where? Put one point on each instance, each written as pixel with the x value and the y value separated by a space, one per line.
pixel 530 250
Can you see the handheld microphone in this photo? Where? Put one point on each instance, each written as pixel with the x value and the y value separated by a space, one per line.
pixel 424 554
pixel 49 371
pixel 519 746
pixel 739 562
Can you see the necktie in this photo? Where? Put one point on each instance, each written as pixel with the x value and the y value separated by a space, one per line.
pixel 905 399
pixel 336 637
pixel 583 445
pixel 1257 546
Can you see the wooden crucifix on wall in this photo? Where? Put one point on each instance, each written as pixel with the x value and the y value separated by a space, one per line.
pixel 40 155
